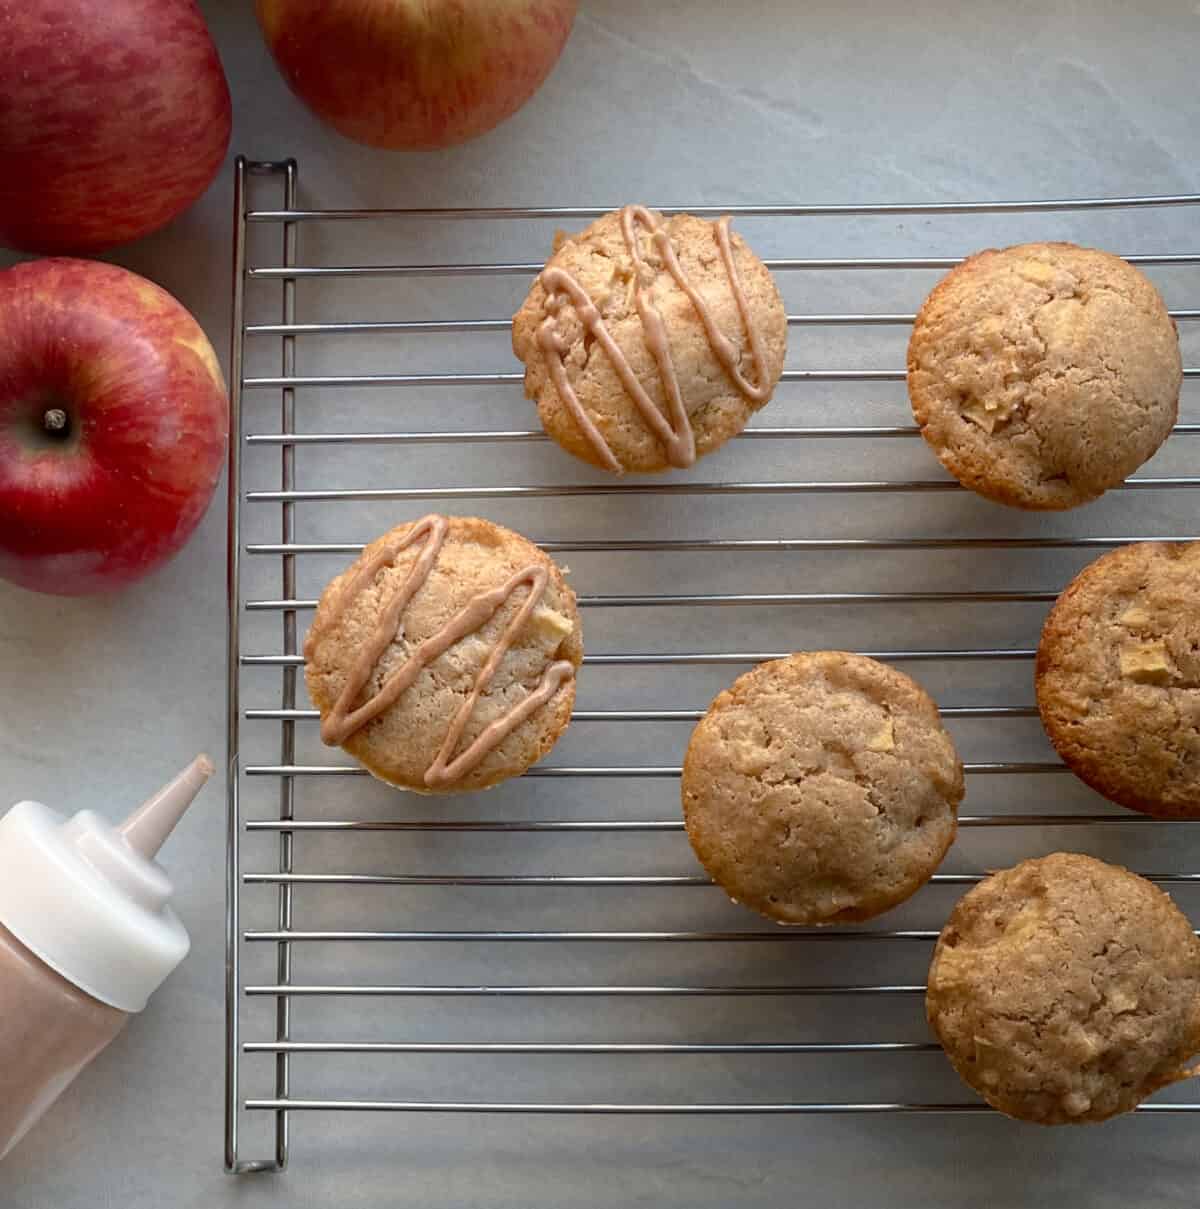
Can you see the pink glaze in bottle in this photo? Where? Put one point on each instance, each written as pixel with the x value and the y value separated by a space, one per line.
pixel 86 936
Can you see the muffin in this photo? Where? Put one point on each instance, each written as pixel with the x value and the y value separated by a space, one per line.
pixel 1044 374
pixel 444 659
pixel 650 341
pixel 821 788
pixel 1118 677
pixel 1066 990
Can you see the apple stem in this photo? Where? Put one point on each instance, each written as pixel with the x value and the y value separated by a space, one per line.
pixel 54 421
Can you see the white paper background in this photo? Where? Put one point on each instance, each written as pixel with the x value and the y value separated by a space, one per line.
pixel 686 102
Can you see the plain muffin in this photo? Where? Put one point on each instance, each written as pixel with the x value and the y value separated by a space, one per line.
pixel 1066 990
pixel 1118 677
pixel 821 788
pixel 1044 374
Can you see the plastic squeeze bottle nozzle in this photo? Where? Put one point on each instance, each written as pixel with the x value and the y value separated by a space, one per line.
pixel 86 937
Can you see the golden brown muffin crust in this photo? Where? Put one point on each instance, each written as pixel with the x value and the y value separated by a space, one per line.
pixel 821 788
pixel 599 260
pixel 1118 677
pixel 1044 374
pixel 1066 990
pixel 400 745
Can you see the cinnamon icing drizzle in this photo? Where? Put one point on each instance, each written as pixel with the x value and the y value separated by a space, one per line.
pixel 345 718
pixel 675 429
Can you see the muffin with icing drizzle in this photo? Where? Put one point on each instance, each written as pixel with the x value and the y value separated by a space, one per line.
pixel 444 659
pixel 650 341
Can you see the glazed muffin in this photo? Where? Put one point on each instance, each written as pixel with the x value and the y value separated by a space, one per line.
pixel 444 659
pixel 821 788
pixel 1066 990
pixel 1118 677
pixel 1044 374
pixel 650 341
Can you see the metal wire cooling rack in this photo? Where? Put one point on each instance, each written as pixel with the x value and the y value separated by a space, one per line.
pixel 550 947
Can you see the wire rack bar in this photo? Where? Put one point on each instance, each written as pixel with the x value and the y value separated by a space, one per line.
pixel 519 436
pixel 573 880
pixel 772 545
pixel 287 735
pixel 233 813
pixel 512 379
pixel 328 381
pixel 531 268
pixel 680 1110
pixel 839 210
pixel 1019 767
pixel 846 487
pixel 669 715
pixel 782 934
pixel 457 326
pixel 726 599
pixel 521 826
pixel 710 658
pixel 296 990
pixel 595 1047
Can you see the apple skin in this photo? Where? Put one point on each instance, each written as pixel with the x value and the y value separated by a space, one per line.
pixel 114 117
pixel 415 74
pixel 148 420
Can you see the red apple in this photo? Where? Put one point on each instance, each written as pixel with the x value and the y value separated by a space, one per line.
pixel 415 74
pixel 113 424
pixel 114 117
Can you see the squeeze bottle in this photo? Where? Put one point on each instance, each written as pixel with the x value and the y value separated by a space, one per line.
pixel 86 937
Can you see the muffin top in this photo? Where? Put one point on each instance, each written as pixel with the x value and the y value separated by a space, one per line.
pixel 1044 374
pixel 444 659
pixel 650 341
pixel 1118 677
pixel 821 788
pixel 1066 990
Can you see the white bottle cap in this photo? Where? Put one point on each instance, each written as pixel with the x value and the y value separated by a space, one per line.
pixel 88 899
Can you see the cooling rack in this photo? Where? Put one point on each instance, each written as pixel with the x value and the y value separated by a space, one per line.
pixel 550 947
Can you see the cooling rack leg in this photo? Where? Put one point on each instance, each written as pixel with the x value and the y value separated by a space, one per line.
pixel 233 977
pixel 233 823
pixel 287 744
